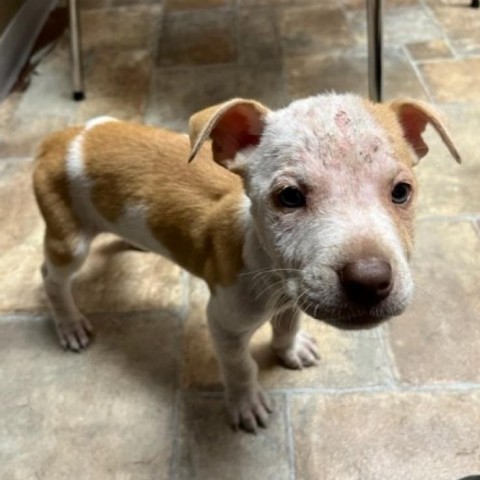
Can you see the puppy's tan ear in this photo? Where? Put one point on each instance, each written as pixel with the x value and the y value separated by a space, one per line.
pixel 232 126
pixel 414 116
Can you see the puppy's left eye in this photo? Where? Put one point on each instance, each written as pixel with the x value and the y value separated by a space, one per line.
pixel 401 193
pixel 291 197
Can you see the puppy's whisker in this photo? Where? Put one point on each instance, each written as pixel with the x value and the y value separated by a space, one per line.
pixel 269 287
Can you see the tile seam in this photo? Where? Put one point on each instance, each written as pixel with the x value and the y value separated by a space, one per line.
pixel 289 437
pixel 439 26
pixel 389 358
pixel 453 387
pixel 418 74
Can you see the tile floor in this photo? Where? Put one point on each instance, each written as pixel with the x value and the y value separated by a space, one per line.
pixel 144 402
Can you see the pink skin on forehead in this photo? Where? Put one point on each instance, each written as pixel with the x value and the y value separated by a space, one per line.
pixel 358 159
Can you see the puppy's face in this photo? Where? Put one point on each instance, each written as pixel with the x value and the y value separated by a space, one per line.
pixel 332 197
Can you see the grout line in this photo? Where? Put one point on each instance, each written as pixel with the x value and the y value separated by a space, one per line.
pixel 437 23
pixel 394 376
pixel 467 217
pixel 176 444
pixel 185 67
pixel 281 53
pixel 196 11
pixel 289 437
pixel 23 316
pixel 238 43
pixel 455 387
pixel 418 73
pixel 185 283
pixel 153 50
pixel 449 59
pixel 476 226
pixel 402 388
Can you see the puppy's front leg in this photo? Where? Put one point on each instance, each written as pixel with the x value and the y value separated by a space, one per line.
pixel 294 347
pixel 247 403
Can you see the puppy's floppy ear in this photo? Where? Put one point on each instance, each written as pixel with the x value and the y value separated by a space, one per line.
pixel 232 126
pixel 414 116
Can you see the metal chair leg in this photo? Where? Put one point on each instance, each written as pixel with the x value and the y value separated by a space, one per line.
pixel 375 49
pixel 76 53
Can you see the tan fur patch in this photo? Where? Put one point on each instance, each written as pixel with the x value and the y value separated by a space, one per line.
pixel 403 217
pixel 192 209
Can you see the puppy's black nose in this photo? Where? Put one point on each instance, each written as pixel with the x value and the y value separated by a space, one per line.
pixel 367 281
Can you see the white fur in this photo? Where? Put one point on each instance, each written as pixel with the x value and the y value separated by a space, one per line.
pixel 99 121
pixel 131 224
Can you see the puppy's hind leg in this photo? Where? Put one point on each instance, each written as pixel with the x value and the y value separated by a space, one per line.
pixel 62 260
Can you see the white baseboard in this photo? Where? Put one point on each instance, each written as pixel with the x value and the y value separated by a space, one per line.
pixel 18 39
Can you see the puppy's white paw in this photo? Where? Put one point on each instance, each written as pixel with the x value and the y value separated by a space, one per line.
pixel 249 410
pixel 302 353
pixel 74 334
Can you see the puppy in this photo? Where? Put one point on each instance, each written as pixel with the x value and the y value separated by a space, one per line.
pixel 309 208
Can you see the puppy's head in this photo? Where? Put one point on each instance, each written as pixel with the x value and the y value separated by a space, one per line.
pixel 332 195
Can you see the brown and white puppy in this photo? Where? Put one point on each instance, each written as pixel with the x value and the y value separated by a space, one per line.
pixel 317 216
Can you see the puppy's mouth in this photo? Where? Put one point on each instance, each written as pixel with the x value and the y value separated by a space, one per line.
pixel 351 319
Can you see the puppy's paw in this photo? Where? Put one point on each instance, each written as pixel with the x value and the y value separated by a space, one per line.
pixel 302 353
pixel 74 334
pixel 249 410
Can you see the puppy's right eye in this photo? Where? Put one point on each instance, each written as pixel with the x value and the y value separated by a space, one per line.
pixel 291 197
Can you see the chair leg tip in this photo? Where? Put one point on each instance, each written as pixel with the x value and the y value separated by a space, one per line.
pixel 78 96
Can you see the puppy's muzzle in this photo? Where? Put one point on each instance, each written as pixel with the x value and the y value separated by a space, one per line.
pixel 367 281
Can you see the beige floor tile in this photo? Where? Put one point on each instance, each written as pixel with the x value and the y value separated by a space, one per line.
pixel 258 36
pixel 360 4
pixel 178 93
pixel 92 4
pixel 402 25
pixel 124 74
pixel 348 359
pixel 117 84
pixel 197 38
pixel 300 32
pixel 210 449
pixel 267 85
pixel 395 436
pixel 172 5
pixel 314 74
pixel 22 135
pixel 134 3
pixel 45 106
pixel 49 92
pixel 114 277
pixel 447 188
pixel 437 339
pixel 429 50
pixel 106 413
pixel 453 80
pixel 21 239
pixel 326 4
pixel 120 28
pixel 129 109
pixel 461 24
pixel 8 107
